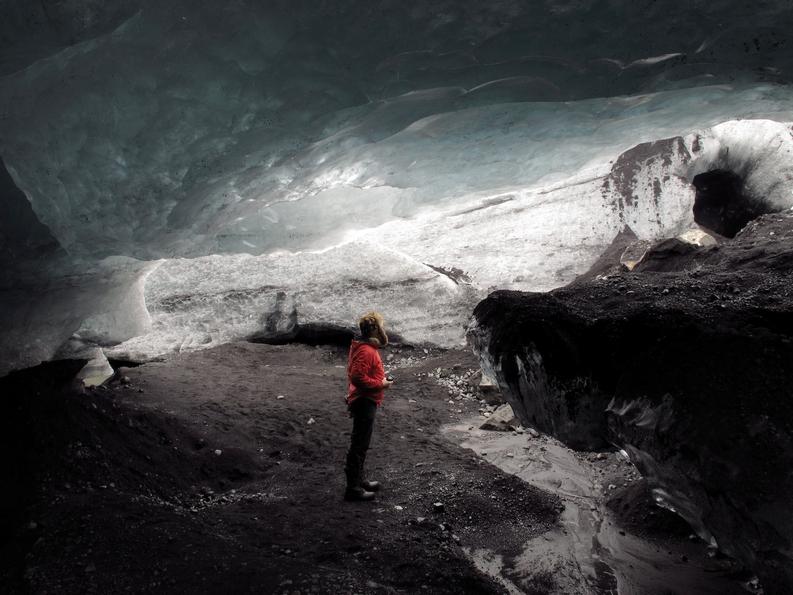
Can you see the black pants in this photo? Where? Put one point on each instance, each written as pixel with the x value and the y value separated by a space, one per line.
pixel 362 411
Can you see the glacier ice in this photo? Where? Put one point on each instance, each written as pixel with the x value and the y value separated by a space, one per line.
pixel 177 152
pixel 97 370
pixel 206 301
pixel 530 239
pixel 194 146
pixel 57 313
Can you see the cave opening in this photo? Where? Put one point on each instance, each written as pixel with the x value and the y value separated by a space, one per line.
pixel 721 204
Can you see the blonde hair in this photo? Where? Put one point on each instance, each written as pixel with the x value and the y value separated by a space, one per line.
pixel 372 326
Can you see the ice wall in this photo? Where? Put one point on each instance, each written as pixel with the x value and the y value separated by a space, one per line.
pixel 450 256
pixel 206 301
pixel 193 128
pixel 61 309
pixel 506 140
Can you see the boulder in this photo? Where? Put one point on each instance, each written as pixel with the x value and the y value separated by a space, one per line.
pixel 698 237
pixel 633 254
pixel 501 420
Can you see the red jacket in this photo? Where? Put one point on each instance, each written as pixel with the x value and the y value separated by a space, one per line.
pixel 365 372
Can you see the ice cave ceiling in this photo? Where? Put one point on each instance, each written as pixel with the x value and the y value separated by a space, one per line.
pixel 168 161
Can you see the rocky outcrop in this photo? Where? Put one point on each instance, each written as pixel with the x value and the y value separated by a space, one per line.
pixel 685 363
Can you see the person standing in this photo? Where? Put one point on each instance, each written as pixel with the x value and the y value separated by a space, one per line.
pixel 366 384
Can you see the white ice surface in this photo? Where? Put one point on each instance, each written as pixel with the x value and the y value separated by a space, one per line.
pixel 528 237
pixel 532 239
pixel 206 301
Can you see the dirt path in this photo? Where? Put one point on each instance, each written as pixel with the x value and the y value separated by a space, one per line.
pixel 197 477
pixel 221 471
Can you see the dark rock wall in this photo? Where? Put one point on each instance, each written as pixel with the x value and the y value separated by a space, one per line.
pixel 687 365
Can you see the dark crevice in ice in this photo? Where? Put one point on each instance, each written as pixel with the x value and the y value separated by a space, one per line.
pixel 317 333
pixel 308 334
pixel 722 204
pixel 123 363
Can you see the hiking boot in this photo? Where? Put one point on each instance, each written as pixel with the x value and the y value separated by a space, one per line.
pixel 370 486
pixel 358 495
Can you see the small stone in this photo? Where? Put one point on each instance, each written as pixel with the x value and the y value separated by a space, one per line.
pixel 218 452
pixel 510 455
pixel 612 486
pixel 125 380
pixel 32 525
pixel 398 507
pixel 311 421
pixel 437 507
pixel 533 433
pixel 279 397
pixel 411 400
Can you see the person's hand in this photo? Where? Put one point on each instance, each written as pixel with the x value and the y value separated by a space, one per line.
pixel 387 383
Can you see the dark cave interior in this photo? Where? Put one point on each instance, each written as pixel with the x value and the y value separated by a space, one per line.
pixel 722 204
